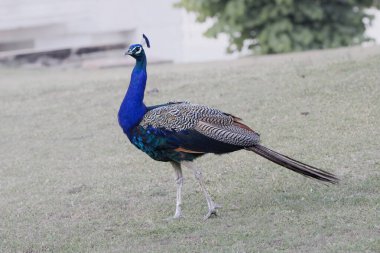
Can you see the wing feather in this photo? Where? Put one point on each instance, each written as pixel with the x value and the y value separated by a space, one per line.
pixel 211 123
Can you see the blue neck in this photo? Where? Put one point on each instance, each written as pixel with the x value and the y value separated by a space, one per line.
pixel 132 109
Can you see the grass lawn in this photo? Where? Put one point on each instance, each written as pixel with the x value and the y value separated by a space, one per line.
pixel 70 181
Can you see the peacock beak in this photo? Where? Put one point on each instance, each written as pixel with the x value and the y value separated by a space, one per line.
pixel 129 52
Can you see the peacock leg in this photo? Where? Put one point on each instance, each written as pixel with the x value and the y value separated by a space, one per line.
pixel 179 181
pixel 212 206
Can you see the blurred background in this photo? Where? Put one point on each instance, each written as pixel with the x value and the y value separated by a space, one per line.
pixel 91 33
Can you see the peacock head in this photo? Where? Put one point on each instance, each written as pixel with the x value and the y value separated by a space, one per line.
pixel 137 50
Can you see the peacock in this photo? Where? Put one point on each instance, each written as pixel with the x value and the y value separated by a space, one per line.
pixel 180 132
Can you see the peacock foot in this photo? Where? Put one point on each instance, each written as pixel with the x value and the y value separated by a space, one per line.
pixel 177 216
pixel 212 211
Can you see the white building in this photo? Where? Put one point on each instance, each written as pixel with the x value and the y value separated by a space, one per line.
pixel 40 25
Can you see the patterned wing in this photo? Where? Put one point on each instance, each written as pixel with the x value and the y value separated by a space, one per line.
pixel 209 122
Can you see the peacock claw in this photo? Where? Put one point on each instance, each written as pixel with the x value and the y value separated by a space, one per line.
pixel 177 217
pixel 212 211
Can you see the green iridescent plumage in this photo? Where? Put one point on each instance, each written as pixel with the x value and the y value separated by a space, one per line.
pixel 159 144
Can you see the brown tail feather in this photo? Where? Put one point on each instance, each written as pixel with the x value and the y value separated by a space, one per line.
pixel 294 165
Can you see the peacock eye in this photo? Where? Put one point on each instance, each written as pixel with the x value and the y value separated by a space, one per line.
pixel 138 50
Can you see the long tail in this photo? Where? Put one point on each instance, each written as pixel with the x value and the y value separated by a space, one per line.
pixel 294 165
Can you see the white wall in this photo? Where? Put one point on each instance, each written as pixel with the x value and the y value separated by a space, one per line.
pixel 196 47
pixel 374 30
pixel 53 24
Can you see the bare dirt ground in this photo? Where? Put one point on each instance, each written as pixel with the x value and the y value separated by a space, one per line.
pixel 71 182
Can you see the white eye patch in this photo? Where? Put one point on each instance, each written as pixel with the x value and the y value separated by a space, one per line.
pixel 138 50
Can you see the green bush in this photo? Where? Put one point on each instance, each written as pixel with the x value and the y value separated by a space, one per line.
pixel 279 26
